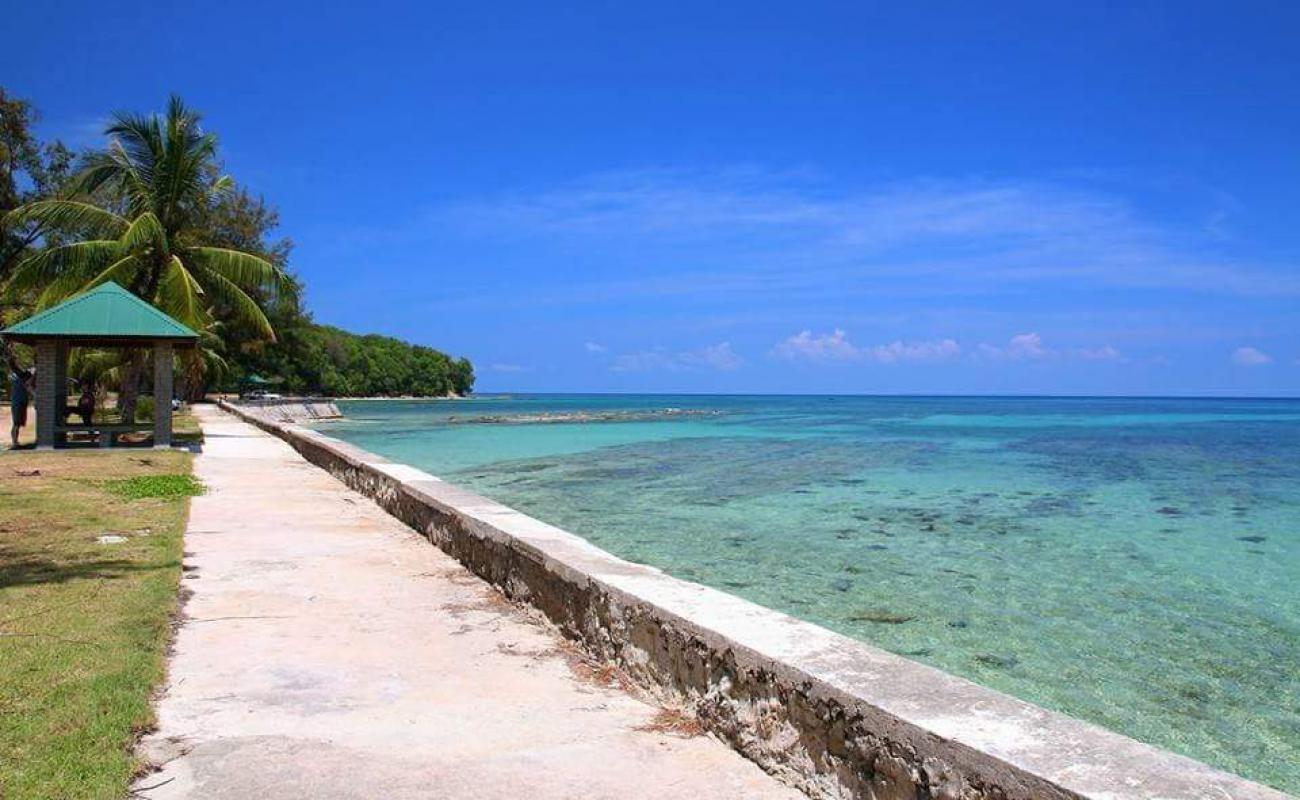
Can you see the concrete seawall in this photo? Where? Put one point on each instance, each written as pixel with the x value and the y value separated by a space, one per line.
pixel 293 409
pixel 832 715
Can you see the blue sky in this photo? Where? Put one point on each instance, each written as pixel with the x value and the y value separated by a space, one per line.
pixel 813 197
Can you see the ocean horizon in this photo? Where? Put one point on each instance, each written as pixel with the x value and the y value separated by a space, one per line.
pixel 504 395
pixel 1126 560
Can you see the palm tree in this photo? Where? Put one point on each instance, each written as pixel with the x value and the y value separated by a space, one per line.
pixel 135 207
pixel 203 365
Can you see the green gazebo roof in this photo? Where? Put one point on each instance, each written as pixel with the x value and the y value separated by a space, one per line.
pixel 107 314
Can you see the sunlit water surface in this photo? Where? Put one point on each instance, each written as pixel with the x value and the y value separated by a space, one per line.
pixel 1133 562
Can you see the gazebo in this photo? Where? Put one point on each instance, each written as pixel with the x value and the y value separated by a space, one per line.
pixel 106 316
pixel 254 382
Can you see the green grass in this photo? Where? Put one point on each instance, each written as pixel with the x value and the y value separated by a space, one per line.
pixel 84 625
pixel 167 487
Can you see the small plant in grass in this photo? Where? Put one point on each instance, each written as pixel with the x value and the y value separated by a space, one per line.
pixel 167 487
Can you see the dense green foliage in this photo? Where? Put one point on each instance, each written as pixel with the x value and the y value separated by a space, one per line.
pixel 28 171
pixel 153 212
pixel 319 359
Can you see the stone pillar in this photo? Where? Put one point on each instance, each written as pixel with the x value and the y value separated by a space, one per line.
pixel 60 388
pixel 47 394
pixel 162 394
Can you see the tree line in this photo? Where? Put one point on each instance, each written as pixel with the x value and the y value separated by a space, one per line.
pixel 153 211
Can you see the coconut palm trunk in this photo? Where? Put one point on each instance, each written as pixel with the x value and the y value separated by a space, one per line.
pixel 128 394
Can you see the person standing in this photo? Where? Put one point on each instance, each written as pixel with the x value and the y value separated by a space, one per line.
pixel 85 407
pixel 20 396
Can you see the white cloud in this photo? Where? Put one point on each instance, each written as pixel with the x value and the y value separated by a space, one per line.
pixel 1027 345
pixel 1031 347
pixel 720 357
pixel 1021 347
pixel 940 350
pixel 835 346
pixel 592 347
pixel 506 368
pixel 1250 357
pixel 823 347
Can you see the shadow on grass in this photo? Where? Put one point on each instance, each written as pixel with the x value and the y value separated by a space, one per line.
pixel 28 570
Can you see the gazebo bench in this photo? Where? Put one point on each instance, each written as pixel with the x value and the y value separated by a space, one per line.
pixel 107 431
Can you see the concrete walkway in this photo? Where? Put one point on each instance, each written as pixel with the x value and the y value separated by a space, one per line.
pixel 328 651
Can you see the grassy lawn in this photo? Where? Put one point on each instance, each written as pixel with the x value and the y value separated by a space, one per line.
pixel 83 625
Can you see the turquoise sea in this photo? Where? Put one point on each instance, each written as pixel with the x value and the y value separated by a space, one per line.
pixel 1133 562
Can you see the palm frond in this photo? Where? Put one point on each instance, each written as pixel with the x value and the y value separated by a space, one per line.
pixel 111 170
pixel 134 178
pixel 243 307
pixel 145 231
pixel 139 138
pixel 181 296
pixel 243 269
pixel 68 215
pixel 103 368
pixel 183 153
pixel 99 169
pixel 58 290
pixel 81 259
pixel 122 272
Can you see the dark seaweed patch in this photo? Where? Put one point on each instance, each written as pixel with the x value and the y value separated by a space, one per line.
pixel 1053 505
pixel 994 660
pixel 881 616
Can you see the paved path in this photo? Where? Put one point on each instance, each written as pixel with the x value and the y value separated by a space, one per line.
pixel 329 652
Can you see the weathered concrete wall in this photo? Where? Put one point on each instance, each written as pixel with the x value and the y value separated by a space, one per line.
pixel 292 409
pixel 829 714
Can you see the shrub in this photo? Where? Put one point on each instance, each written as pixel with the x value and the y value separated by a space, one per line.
pixel 164 486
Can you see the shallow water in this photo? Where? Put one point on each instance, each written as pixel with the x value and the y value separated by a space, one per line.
pixel 1132 562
